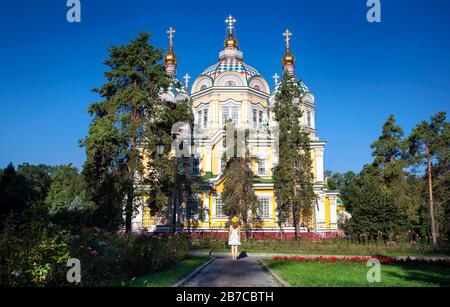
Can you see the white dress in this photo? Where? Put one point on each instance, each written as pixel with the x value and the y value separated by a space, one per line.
pixel 234 238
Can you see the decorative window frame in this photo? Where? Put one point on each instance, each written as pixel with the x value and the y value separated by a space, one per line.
pixel 214 215
pixel 230 103
pixel 204 80
pixel 269 197
pixel 225 77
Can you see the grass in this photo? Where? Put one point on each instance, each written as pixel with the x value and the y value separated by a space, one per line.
pixel 169 276
pixel 332 247
pixel 320 274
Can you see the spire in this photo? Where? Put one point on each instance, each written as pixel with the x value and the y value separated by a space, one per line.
pixel 171 59
pixel 231 47
pixel 288 58
pixel 230 42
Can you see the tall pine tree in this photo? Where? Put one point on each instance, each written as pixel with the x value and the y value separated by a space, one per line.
pixel 130 99
pixel 238 195
pixel 293 175
pixel 429 145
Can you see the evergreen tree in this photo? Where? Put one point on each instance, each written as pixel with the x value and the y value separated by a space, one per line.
pixel 293 175
pixel 131 98
pixel 15 194
pixel 238 195
pixel 391 160
pixel 429 145
pixel 389 152
pixel 343 183
pixel 158 178
pixel 375 213
pixel 66 199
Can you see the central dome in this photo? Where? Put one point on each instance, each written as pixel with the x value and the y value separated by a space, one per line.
pixel 227 65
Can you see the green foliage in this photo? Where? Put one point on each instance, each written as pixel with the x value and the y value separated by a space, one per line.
pixel 238 195
pixel 22 192
pixel 293 175
pixel 342 183
pixel 66 199
pixel 36 255
pixel 429 148
pixel 134 82
pixel 376 213
pixel 394 188
pixel 130 118
pixel 390 152
pixel 33 255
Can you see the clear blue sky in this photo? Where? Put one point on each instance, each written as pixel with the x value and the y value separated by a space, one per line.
pixel 359 72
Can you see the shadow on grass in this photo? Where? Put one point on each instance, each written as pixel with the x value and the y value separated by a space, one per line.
pixel 432 274
pixel 327 274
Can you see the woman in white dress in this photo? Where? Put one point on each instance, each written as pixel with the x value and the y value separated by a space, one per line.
pixel 234 237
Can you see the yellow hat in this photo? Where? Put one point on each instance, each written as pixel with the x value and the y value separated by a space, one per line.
pixel 235 219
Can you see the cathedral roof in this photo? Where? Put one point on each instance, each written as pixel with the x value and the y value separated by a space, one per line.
pixel 303 88
pixel 226 65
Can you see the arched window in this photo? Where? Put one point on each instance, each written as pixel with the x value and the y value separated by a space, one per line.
pixel 230 83
pixel 203 87
pixel 256 87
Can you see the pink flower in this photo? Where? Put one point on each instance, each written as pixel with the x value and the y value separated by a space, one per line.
pixel 81 246
pixel 94 252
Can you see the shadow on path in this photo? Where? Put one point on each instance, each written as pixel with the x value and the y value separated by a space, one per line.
pixel 224 272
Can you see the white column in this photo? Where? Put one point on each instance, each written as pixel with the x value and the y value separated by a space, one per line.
pixel 208 157
pixel 206 207
pixel 319 164
pixel 320 210
pixel 333 212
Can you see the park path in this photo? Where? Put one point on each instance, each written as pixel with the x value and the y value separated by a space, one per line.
pixel 224 272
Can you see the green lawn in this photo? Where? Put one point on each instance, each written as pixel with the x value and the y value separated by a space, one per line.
pixel 313 274
pixel 167 277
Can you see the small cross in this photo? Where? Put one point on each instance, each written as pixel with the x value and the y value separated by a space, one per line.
pixel 171 31
pixel 186 80
pixel 230 21
pixel 287 36
pixel 275 78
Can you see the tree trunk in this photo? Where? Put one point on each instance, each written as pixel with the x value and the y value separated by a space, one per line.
pixel 175 196
pixel 430 190
pixel 295 209
pixel 129 210
pixel 296 222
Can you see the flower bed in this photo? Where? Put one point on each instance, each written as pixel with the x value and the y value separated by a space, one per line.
pixel 350 259
pixel 36 255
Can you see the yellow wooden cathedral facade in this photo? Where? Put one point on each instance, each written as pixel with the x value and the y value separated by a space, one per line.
pixel 232 90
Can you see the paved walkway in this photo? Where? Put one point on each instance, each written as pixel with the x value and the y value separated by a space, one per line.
pixel 224 272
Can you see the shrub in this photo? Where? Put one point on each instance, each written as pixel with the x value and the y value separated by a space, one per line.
pixel 33 255
pixel 36 255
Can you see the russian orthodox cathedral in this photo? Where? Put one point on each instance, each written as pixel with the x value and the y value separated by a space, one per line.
pixel 232 90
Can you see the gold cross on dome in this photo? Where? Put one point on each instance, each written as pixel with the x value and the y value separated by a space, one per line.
pixel 287 36
pixel 171 32
pixel 230 21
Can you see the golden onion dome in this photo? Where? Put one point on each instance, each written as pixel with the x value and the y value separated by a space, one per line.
pixel 170 58
pixel 288 58
pixel 231 42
